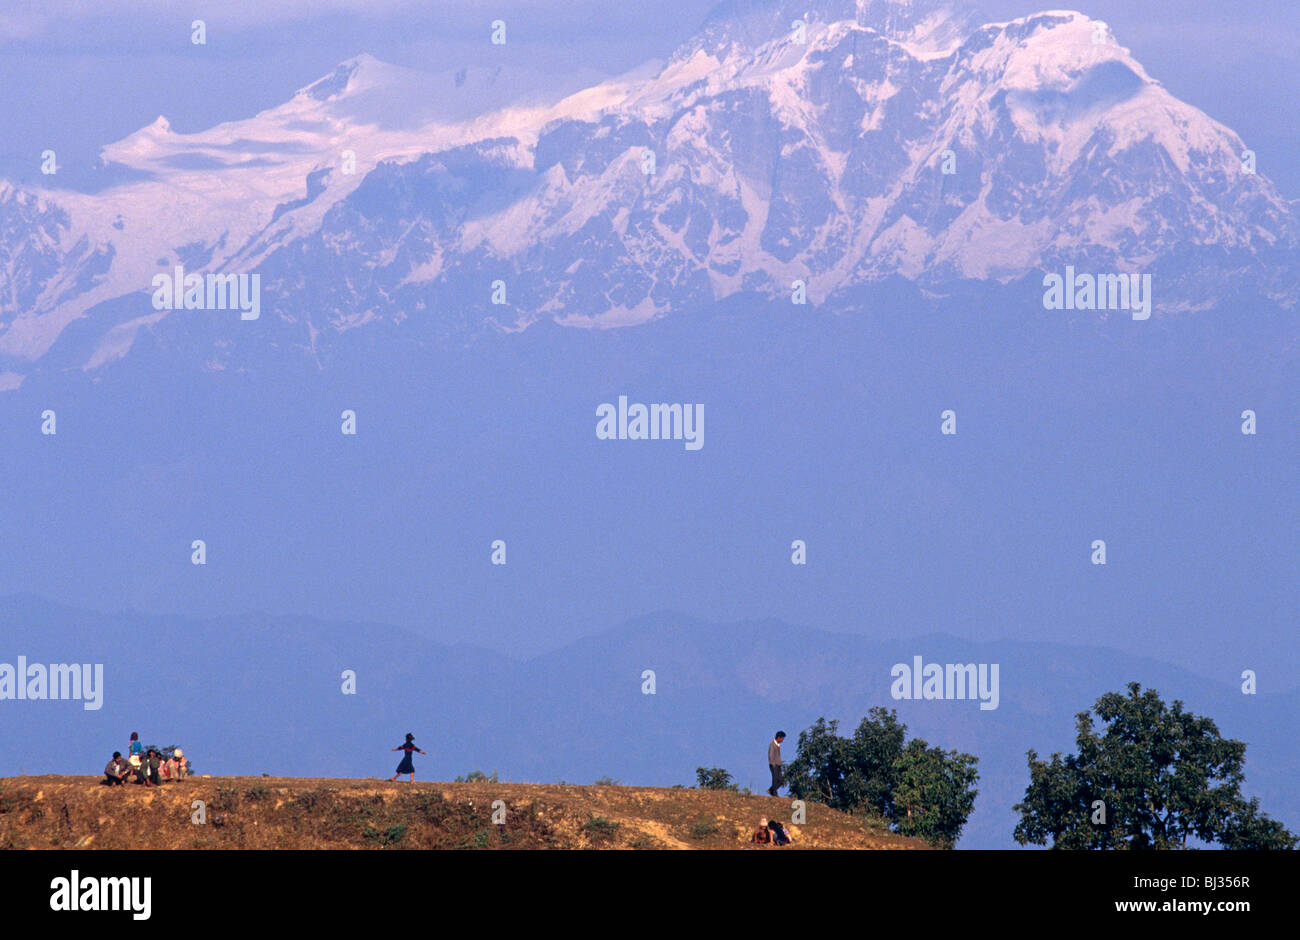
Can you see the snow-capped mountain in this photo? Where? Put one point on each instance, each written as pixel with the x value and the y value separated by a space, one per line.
pixel 837 142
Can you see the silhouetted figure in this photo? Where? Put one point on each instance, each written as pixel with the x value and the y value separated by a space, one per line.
pixel 407 766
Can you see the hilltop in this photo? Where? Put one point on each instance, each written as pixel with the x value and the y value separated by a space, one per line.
pixel 57 811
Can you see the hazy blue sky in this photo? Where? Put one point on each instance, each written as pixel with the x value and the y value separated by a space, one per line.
pixel 821 427
pixel 94 72
pixel 82 73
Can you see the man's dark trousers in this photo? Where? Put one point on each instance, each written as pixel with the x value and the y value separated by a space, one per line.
pixel 778 779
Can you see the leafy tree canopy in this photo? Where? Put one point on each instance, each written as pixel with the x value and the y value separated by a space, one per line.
pixel 1154 777
pixel 714 778
pixel 919 790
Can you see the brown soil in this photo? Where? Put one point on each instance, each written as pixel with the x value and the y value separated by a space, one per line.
pixel 289 813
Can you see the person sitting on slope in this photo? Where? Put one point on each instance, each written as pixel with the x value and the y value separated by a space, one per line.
pixel 116 772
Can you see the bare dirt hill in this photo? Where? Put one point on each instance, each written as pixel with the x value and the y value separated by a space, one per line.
pixel 289 813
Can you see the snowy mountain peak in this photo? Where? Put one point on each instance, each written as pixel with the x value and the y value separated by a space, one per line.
pixel 743 25
pixel 872 139
pixel 338 81
pixel 364 73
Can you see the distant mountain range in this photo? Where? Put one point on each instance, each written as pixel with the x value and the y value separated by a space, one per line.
pixel 253 695
pixel 383 211
pixel 836 143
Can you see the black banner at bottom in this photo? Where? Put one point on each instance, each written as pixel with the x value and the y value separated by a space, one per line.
pixel 120 888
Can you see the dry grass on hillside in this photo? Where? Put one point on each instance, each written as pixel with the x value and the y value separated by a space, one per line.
pixel 288 813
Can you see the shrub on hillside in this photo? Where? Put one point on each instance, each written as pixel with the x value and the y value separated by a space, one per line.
pixel 599 827
pixel 714 778
pixel 920 790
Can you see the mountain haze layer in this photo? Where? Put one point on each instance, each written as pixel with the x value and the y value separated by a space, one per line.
pixel 466 276
pixel 578 713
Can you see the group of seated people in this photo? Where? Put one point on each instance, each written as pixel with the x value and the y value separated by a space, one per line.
pixel 147 767
pixel 771 833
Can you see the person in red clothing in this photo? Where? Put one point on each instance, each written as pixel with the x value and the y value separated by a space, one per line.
pixel 406 766
pixel 762 835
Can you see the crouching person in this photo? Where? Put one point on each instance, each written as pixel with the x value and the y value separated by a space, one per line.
pixel 171 767
pixel 116 771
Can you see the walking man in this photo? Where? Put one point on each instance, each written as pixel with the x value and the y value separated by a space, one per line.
pixel 774 763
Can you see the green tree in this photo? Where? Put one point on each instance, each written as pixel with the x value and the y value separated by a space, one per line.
pixel 933 793
pixel 714 778
pixel 823 763
pixel 1155 777
pixel 876 749
pixel 920 790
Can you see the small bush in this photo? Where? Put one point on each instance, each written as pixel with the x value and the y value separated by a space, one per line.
pixel 703 828
pixel 429 803
pixel 310 799
pixel 714 778
pixel 367 809
pixel 477 841
pixel 226 798
pixel 599 827
pixel 477 776
pixel 607 782
pixel 390 836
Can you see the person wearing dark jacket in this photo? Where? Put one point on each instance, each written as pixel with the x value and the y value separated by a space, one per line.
pixel 406 766
pixel 115 773
pixel 774 763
